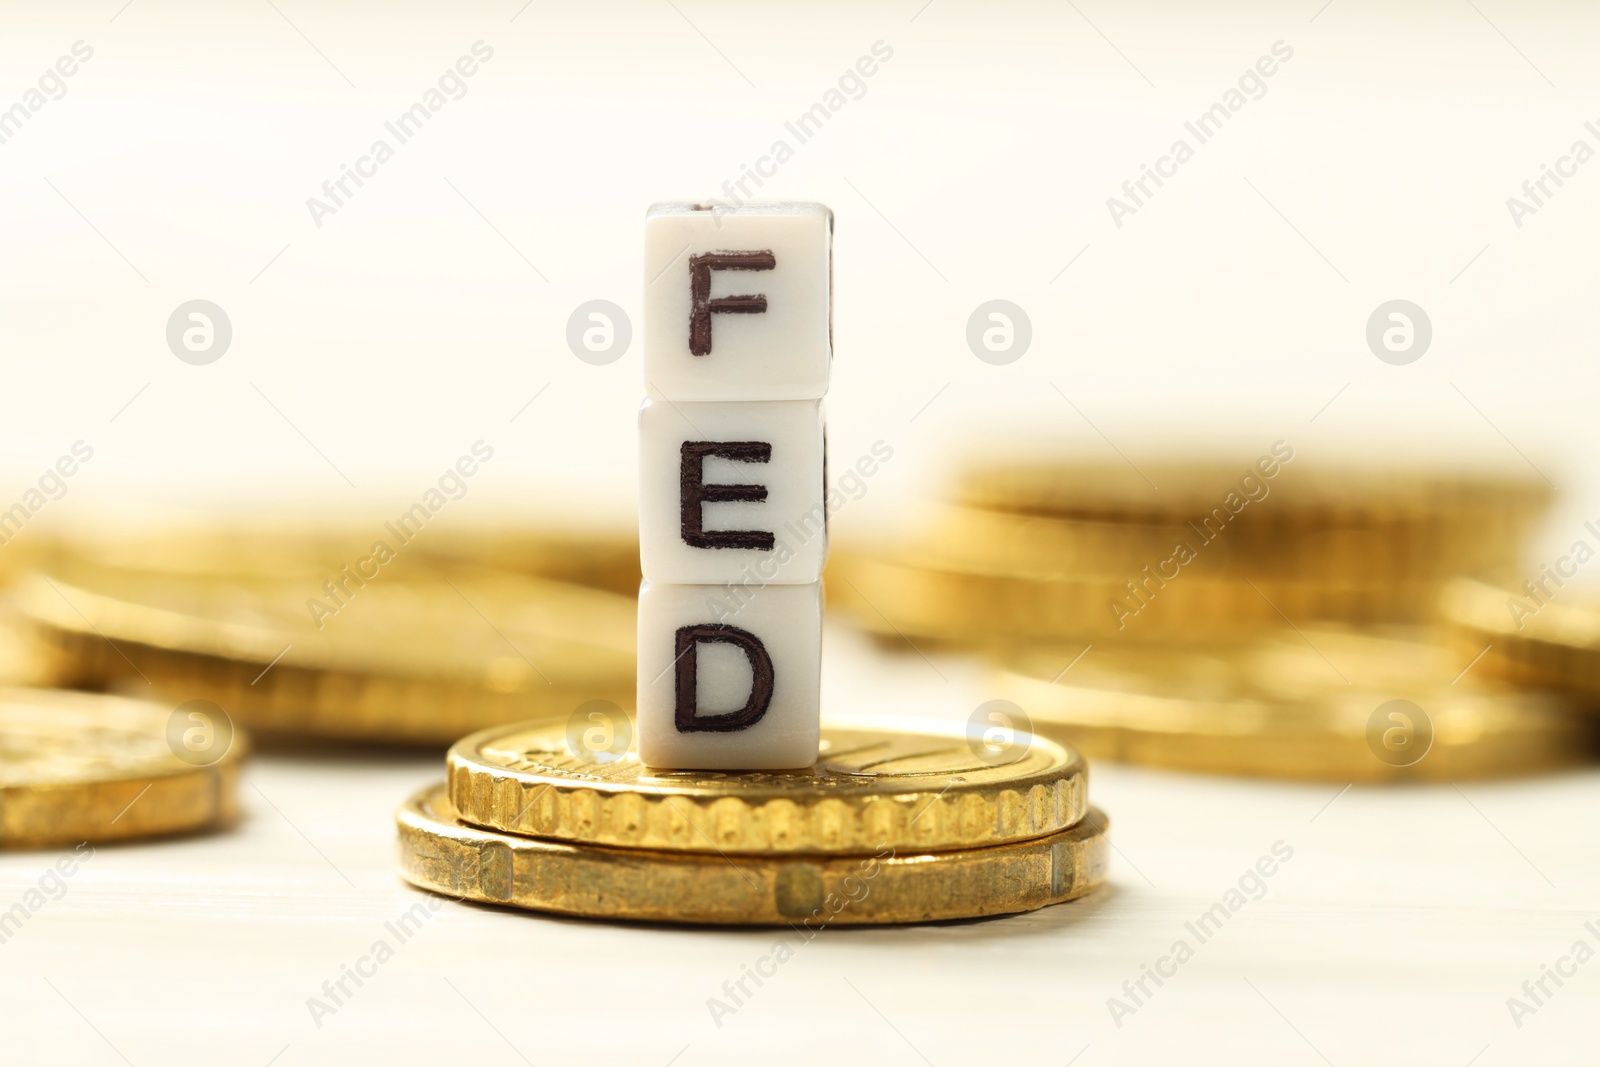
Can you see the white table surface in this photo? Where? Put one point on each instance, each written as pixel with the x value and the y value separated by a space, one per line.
pixel 1395 934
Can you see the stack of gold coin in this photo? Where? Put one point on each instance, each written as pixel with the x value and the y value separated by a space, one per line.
pixel 1541 637
pixel 1027 549
pixel 86 767
pixel 1143 611
pixel 398 652
pixel 348 628
pixel 1325 703
pixel 895 823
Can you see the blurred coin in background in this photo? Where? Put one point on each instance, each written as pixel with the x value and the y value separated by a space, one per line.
pixel 80 767
pixel 1544 638
pixel 26 659
pixel 1032 544
pixel 1331 704
pixel 604 555
pixel 400 651
pixel 1040 479
pixel 897 598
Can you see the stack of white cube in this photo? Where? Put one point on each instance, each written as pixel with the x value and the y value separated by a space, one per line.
pixel 732 521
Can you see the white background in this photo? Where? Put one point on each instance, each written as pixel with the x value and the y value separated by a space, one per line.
pixel 976 166
pixel 427 312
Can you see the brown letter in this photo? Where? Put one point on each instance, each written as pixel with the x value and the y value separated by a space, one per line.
pixel 687 649
pixel 701 306
pixel 693 492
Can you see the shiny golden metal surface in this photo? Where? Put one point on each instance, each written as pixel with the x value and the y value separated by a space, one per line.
pixel 1546 639
pixel 25 658
pixel 441 853
pixel 88 767
pixel 604 556
pixel 909 785
pixel 1260 545
pixel 909 597
pixel 1035 549
pixel 401 657
pixel 1300 490
pixel 1321 705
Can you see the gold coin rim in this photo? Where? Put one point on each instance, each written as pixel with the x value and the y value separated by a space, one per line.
pixel 1305 741
pixel 1313 494
pixel 157 799
pixel 38 599
pixel 726 813
pixel 551 876
pixel 1558 648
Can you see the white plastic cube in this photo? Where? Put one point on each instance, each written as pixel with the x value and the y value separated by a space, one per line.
pixel 729 678
pixel 737 301
pixel 731 492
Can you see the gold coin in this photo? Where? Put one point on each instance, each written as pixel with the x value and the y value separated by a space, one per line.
pixel 25 659
pixel 395 657
pixel 88 767
pixel 1297 490
pixel 441 853
pixel 909 786
pixel 1009 544
pixel 604 556
pixel 1544 641
pixel 909 598
pixel 1345 707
